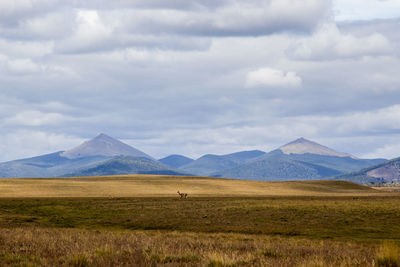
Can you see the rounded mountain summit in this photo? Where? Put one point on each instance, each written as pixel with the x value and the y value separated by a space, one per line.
pixel 103 145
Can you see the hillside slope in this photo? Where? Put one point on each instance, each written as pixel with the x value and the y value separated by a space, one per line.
pixel 49 165
pixel 126 165
pixel 388 171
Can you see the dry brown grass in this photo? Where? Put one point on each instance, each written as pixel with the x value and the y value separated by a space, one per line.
pixel 156 185
pixel 72 247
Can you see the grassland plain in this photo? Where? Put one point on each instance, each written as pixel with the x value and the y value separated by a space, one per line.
pixel 320 223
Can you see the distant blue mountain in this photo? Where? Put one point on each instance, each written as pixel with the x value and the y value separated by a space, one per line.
pixel 211 164
pixel 175 161
pixel 279 166
pixel 298 160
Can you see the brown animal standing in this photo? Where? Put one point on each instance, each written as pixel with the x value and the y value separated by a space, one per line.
pixel 183 195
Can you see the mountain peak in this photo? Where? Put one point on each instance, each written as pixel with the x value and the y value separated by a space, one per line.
pixel 300 141
pixel 303 146
pixel 103 145
pixel 102 135
pixel 105 137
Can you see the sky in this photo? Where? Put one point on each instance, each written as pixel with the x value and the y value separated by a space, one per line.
pixel 195 77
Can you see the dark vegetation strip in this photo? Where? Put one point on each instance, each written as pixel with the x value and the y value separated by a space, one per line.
pixel 346 218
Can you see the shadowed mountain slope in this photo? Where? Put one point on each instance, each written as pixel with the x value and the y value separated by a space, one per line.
pixel 210 164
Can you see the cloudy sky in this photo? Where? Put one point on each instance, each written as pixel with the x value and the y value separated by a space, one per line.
pixel 195 77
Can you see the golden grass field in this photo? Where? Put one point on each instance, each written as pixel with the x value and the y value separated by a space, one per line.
pixel 139 220
pixel 167 186
pixel 75 247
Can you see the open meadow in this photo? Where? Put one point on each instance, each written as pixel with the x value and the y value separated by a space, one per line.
pixel 141 221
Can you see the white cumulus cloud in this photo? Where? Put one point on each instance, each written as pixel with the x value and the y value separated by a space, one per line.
pixel 268 77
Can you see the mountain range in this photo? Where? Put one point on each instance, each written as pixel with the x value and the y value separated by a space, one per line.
pixel 300 159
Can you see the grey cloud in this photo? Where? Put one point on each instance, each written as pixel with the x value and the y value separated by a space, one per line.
pixel 13 12
pixel 51 26
pixel 253 18
pixel 82 27
pixel 387 28
pixel 328 43
pixel 152 4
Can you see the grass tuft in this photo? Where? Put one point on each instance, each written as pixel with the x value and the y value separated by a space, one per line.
pixel 217 263
pixel 271 254
pixel 79 261
pixel 388 255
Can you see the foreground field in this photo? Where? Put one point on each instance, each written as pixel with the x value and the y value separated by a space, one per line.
pixel 74 247
pixel 91 222
pixel 156 186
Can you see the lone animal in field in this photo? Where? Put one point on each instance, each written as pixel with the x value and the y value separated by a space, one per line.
pixel 182 195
